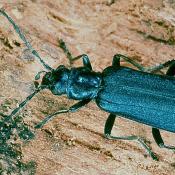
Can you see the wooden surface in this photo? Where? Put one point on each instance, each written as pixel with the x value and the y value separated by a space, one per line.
pixel 73 143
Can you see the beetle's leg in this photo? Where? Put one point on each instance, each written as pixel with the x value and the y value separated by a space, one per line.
pixel 110 2
pixel 24 39
pixel 158 139
pixel 107 131
pixel 171 69
pixel 86 61
pixel 63 46
pixel 171 63
pixel 117 57
pixel 73 108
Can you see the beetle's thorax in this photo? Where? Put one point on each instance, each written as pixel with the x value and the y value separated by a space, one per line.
pixel 83 83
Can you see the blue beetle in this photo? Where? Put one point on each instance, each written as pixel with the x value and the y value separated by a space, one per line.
pixel 138 95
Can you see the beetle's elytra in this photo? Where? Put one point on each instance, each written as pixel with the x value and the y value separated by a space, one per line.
pixel 138 95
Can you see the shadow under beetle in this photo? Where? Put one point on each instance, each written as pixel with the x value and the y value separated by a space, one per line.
pixel 138 95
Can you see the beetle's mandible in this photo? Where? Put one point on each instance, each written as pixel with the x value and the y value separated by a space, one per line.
pixel 139 95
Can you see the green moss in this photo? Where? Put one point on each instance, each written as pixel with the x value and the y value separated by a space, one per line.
pixel 10 152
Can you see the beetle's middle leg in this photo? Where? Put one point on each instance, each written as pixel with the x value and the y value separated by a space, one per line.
pixel 171 69
pixel 86 61
pixel 107 131
pixel 117 58
pixel 170 63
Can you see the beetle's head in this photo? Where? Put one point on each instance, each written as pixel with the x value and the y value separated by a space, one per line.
pixel 56 80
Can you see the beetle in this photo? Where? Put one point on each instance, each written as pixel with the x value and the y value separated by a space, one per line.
pixel 139 95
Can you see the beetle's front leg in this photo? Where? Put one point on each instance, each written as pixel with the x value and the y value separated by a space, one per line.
pixel 73 108
pixel 86 61
pixel 107 131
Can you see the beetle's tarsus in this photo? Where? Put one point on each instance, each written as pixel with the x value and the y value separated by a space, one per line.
pixel 154 157
pixel 63 46
pixel 86 61
pixel 159 140
pixel 107 131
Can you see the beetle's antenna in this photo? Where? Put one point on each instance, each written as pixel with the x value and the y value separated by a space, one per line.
pixel 23 38
pixel 8 118
pixel 63 46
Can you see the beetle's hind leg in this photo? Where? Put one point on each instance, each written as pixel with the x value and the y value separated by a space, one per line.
pixel 85 58
pixel 107 131
pixel 158 139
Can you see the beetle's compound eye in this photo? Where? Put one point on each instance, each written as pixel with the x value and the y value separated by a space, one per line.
pixel 47 79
